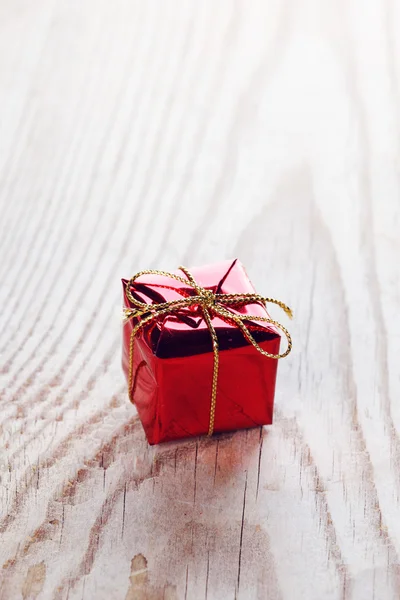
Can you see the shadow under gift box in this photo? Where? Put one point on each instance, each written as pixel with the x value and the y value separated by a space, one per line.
pixel 173 359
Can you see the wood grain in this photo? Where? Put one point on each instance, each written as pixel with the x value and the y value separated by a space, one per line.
pixel 147 134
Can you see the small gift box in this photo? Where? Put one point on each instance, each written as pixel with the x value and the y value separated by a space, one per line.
pixel 199 351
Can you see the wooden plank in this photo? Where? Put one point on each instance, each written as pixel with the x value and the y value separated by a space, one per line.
pixel 145 135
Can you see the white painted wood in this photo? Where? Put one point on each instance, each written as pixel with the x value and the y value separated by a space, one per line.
pixel 148 134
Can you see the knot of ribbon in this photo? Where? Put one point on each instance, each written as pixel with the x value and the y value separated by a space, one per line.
pixel 210 304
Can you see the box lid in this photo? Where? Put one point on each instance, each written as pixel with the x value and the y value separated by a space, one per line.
pixel 186 333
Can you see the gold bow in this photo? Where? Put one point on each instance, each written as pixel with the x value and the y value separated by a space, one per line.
pixel 211 304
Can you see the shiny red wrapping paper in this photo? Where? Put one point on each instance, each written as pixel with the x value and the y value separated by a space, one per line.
pixel 173 360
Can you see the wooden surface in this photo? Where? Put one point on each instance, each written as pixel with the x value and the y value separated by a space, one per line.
pixel 148 134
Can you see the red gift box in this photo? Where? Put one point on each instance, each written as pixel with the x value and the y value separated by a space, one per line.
pixel 170 365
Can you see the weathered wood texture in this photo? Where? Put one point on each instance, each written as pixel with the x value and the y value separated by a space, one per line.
pixel 148 134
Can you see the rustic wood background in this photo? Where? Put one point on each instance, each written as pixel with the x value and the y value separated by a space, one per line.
pixel 139 134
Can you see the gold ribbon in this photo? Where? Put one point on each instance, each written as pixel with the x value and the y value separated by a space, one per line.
pixel 211 305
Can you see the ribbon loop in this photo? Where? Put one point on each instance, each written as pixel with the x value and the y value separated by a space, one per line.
pixel 210 304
